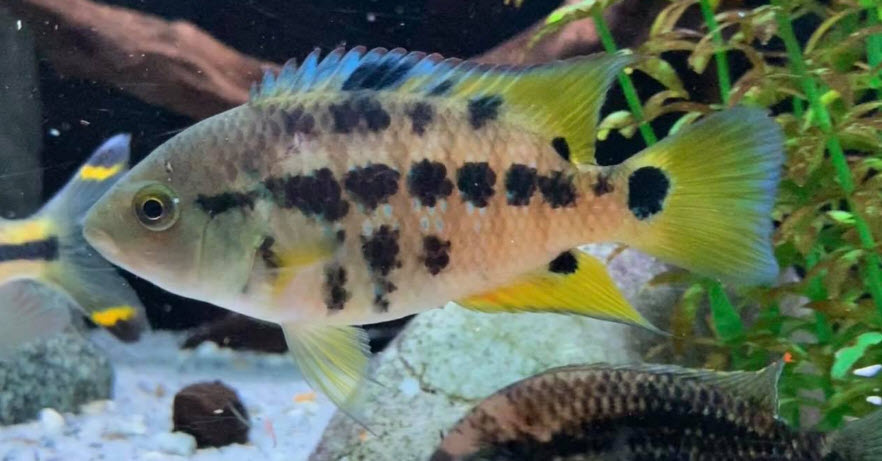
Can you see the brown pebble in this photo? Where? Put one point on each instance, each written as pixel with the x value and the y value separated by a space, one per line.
pixel 212 413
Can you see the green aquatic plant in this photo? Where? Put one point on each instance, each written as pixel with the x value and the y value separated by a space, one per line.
pixel 824 88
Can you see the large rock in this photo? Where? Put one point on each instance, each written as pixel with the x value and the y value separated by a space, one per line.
pixel 448 359
pixel 61 372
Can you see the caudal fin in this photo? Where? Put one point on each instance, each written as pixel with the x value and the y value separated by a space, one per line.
pixel 702 199
pixel 79 271
pixel 860 440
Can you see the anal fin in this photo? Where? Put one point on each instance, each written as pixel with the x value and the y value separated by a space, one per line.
pixel 333 360
pixel 573 283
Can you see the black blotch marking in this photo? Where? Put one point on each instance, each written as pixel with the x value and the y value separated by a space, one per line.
pixel 380 251
pixel 475 181
pixel 602 186
pixel 562 148
pixel 298 121
pixel 349 115
pixel 520 184
pixel 484 109
pixel 421 115
pixel 336 294
pixel 436 254
pixel 377 75
pixel 38 250
pixel 647 189
pixel 565 263
pixel 427 181
pixel 318 194
pixel 372 185
pixel 221 203
pixel 267 255
pixel 341 236
pixel 441 88
pixel 557 189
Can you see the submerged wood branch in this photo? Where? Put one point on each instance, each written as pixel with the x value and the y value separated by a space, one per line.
pixel 176 65
pixel 172 64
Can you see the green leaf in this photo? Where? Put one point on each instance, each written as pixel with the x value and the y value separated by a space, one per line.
pixel 846 357
pixel 664 73
pixel 843 217
pixel 726 320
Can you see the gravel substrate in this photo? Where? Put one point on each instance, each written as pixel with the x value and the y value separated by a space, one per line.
pixel 286 418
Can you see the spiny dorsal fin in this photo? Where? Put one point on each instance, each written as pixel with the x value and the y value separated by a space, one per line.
pixel 759 387
pixel 559 99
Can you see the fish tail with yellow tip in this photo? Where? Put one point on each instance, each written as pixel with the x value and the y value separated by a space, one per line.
pixel 702 198
pixel 45 262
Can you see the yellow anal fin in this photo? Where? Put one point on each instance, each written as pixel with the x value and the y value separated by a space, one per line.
pixel 573 283
pixel 333 360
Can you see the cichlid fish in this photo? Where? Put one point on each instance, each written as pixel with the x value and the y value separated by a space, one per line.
pixel 647 412
pixel 48 249
pixel 371 185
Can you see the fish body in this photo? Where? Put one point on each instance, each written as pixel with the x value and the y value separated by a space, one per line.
pixel 47 251
pixel 645 412
pixel 375 184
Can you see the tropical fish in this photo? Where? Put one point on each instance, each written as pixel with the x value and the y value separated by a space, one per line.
pixel 371 185
pixel 647 412
pixel 48 249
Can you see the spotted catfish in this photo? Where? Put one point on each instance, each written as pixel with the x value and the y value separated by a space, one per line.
pixel 47 250
pixel 370 185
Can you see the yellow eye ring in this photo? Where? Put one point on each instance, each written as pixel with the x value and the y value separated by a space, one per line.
pixel 156 207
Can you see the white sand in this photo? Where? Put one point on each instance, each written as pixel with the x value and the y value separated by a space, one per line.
pixel 148 374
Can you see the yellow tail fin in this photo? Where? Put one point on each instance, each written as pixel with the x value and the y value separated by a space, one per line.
pixel 702 199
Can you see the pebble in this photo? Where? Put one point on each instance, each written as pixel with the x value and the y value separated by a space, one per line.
pixel 51 421
pixel 96 407
pixel 175 443
pixel 135 425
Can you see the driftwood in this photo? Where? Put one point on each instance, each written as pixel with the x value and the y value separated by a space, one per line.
pixel 176 65
pixel 170 64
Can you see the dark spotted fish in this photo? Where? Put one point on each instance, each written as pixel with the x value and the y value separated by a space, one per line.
pixel 370 185
pixel 646 412
pixel 48 249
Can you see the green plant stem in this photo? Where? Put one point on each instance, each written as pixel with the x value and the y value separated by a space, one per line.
pixel 837 156
pixel 627 86
pixel 720 54
pixel 874 49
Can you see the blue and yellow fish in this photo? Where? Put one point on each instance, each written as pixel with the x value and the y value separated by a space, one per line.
pixel 49 249
pixel 370 185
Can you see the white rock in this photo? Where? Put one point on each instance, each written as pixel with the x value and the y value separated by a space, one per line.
pixel 96 407
pixel 175 443
pixel 51 421
pixel 875 399
pixel 868 372
pixel 133 426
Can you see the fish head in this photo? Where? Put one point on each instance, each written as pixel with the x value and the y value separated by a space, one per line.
pixel 151 224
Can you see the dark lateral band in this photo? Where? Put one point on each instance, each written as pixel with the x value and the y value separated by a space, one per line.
pixel 39 250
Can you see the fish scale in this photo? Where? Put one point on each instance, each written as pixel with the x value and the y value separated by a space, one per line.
pixel 370 185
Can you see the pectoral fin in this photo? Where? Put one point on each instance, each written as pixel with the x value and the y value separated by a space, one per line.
pixel 573 283
pixel 29 311
pixel 333 359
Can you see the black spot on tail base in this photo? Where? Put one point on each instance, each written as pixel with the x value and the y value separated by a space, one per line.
pixel 372 185
pixel 562 148
pixel 221 203
pixel 317 194
pixel 336 294
pixel 520 184
pixel 475 181
pixel 37 250
pixel 565 263
pixel 427 181
pixel 436 254
pixel 421 115
pixel 647 189
pixel 558 189
pixel 484 109
pixel 362 112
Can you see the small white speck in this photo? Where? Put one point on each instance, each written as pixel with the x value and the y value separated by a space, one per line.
pixel 371 17
pixel 18 24
pixel 218 411
pixel 54 132
pixel 868 372
pixel 84 122
pixel 875 400
pixel 387 210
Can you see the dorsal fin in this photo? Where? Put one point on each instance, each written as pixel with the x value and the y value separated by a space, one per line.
pixel 559 99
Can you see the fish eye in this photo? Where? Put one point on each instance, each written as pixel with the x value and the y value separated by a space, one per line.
pixel 156 207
